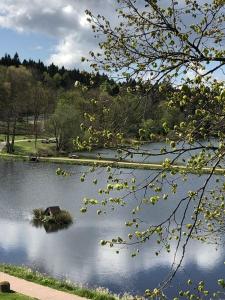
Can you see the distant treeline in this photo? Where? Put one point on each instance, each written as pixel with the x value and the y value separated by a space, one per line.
pixel 64 77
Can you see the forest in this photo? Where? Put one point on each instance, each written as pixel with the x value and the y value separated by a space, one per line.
pixel 48 101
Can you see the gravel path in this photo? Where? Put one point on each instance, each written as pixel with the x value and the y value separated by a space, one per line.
pixel 34 290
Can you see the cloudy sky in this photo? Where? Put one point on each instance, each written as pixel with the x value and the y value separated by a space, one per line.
pixel 52 30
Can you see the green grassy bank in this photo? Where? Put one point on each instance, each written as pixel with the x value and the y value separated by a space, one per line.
pixel 114 164
pixel 28 146
pixel 29 275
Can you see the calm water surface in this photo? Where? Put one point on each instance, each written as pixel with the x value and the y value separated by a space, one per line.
pixel 75 253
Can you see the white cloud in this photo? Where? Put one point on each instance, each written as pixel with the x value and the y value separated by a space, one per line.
pixel 68 9
pixel 64 20
pixel 67 52
pixel 83 21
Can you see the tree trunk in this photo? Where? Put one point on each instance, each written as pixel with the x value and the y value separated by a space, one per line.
pixel 8 137
pixel 35 130
pixel 13 135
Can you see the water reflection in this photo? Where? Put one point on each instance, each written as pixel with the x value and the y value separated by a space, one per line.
pixel 75 253
pixel 50 227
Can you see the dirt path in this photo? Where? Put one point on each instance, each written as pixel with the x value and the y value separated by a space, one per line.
pixel 34 290
pixel 27 140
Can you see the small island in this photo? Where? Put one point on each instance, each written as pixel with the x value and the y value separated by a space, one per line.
pixel 52 218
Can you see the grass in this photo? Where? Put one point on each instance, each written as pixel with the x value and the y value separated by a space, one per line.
pixel 28 147
pixel 14 296
pixel 129 165
pixel 65 286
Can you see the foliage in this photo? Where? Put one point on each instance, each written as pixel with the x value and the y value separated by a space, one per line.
pixel 156 42
pixel 14 85
pixel 52 75
pixel 65 122
pixel 61 218
pixel 29 93
pixel 160 39
pixel 45 107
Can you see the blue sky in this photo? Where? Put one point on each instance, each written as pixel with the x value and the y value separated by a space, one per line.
pixel 28 45
pixel 53 31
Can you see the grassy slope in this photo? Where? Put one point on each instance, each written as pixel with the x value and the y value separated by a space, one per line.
pixel 28 274
pixel 26 148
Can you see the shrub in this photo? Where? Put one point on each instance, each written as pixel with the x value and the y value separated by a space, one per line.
pixel 61 218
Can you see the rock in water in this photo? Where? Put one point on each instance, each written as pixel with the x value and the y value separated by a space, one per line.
pixel 4 287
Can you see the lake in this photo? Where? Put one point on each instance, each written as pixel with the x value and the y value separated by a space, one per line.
pixel 150 152
pixel 75 253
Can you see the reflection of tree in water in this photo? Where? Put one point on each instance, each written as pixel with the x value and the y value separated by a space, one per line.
pixel 50 227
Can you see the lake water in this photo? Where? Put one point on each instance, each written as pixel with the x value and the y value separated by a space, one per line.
pixel 75 253
pixel 150 152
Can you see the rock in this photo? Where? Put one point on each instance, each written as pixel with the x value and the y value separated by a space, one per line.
pixel 4 287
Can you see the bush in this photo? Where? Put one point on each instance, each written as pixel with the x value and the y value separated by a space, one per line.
pixel 38 213
pixel 52 222
pixel 46 152
pixel 63 217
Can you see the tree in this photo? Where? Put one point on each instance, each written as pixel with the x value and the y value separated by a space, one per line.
pixel 65 121
pixel 39 102
pixel 16 60
pixel 155 41
pixel 15 87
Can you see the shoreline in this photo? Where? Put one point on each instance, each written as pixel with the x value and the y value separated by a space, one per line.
pixel 65 286
pixel 114 164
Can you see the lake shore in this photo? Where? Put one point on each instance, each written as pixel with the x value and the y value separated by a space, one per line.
pixel 114 164
pixel 27 274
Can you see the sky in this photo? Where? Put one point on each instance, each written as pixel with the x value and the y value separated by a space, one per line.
pixel 51 30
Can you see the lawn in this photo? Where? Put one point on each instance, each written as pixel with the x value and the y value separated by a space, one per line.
pixel 14 296
pixel 28 147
